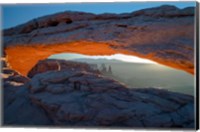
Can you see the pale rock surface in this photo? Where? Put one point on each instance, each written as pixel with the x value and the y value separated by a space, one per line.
pixel 61 96
pixel 86 98
pixel 164 33
pixel 101 101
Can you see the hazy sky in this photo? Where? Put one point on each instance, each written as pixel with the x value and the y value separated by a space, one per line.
pixel 121 57
pixel 13 15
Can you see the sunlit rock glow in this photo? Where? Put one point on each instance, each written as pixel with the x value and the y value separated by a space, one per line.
pixel 162 34
pixel 121 57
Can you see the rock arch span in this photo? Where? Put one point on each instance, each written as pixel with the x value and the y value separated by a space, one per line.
pixel 164 34
pixel 22 58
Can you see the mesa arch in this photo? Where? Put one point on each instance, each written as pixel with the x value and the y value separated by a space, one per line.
pixel 163 34
pixel 23 58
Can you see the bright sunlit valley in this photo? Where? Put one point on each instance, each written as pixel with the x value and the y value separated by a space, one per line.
pixel 136 72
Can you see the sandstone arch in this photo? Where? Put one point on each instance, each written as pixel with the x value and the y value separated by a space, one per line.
pixel 155 33
pixel 23 58
pixel 164 34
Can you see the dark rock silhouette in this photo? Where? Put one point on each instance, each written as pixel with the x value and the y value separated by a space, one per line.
pixel 110 69
pixel 103 68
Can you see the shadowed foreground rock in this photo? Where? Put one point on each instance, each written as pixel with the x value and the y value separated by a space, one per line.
pixel 17 107
pixel 83 98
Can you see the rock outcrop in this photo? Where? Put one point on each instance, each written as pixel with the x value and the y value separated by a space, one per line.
pixel 164 34
pixel 64 93
pixel 68 97
pixel 18 110
pixel 58 65
pixel 11 75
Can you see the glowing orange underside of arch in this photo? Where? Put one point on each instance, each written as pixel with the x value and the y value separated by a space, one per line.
pixel 23 58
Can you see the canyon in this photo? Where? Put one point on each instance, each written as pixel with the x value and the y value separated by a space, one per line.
pixel 64 93
pixel 74 95
pixel 163 34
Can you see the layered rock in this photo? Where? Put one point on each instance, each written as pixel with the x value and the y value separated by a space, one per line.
pixel 17 106
pixel 10 75
pixel 68 97
pixel 81 98
pixel 71 94
pixel 57 65
pixel 164 34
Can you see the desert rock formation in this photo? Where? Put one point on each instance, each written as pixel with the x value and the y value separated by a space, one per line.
pixel 164 34
pixel 38 91
pixel 84 98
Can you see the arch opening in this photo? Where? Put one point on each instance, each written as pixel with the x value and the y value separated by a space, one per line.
pixel 23 58
pixel 135 72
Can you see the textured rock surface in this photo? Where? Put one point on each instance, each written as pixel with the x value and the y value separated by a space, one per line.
pixel 57 65
pixel 164 34
pixel 57 94
pixel 70 97
pixel 17 107
pixel 100 101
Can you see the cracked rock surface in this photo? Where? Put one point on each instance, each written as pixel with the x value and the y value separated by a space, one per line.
pixel 164 34
pixel 63 93
pixel 70 97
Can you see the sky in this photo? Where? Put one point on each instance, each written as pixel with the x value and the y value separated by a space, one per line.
pixel 120 57
pixel 15 14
